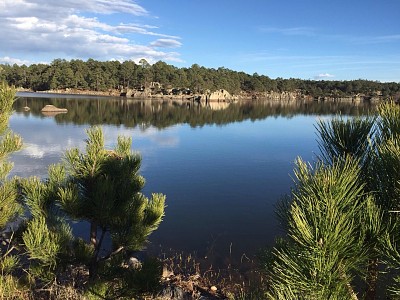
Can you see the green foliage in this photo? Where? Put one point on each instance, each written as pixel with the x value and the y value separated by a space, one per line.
pixel 83 252
pixel 10 288
pixel 340 138
pixel 389 121
pixel 320 199
pixel 102 187
pixel 388 175
pixel 102 76
pixel 391 255
pixel 98 291
pixel 146 279
pixel 340 221
pixel 9 284
pixel 47 242
pixel 387 161
pixel 8 264
pixel 37 197
pixel 7 98
pixel 10 207
pixel 325 238
pixel 9 142
pixel 388 187
pixel 128 281
pixel 42 244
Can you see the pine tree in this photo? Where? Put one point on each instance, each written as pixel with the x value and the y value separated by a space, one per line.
pixel 387 178
pixel 324 246
pixel 341 217
pixel 9 204
pixel 103 188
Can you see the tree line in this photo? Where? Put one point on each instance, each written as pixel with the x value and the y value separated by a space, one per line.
pixel 112 75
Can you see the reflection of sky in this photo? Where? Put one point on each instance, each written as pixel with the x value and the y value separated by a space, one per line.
pixel 221 182
pixel 45 141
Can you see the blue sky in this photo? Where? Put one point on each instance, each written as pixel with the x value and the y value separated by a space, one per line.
pixel 337 40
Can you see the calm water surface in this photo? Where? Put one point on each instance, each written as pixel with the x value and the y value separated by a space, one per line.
pixel 222 169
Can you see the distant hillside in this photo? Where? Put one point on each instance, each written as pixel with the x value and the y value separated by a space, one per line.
pixel 111 76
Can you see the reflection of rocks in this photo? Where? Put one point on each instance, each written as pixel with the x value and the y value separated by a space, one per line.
pixel 51 110
pixel 51 113
pixel 218 105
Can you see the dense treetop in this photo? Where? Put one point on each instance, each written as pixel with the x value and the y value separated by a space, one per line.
pixel 110 75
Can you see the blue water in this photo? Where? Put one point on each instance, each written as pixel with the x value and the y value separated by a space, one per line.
pixel 222 179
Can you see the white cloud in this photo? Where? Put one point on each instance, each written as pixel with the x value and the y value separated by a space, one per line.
pixel 166 43
pixel 25 23
pixel 323 76
pixel 11 61
pixel 109 6
pixel 54 29
pixel 42 8
pixel 46 147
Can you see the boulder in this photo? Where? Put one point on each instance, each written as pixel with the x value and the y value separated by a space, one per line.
pixel 52 108
pixel 220 95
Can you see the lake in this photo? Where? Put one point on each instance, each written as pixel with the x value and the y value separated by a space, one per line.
pixel 223 168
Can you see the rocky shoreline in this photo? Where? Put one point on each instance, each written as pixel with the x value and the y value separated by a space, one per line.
pixel 218 96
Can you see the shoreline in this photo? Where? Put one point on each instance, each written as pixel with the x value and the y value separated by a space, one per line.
pixel 275 96
pixel 70 92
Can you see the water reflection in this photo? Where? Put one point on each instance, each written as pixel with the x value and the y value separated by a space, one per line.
pixel 165 113
pixel 221 182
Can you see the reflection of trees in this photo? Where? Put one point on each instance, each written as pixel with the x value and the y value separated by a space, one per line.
pixel 161 114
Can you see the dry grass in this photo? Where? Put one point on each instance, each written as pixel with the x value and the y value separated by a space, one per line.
pixel 185 276
pixel 237 279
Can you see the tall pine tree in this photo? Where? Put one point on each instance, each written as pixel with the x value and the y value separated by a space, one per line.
pixel 9 205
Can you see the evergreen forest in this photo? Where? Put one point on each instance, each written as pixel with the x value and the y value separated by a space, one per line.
pixel 114 75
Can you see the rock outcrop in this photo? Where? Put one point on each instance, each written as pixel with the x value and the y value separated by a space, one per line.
pixel 51 110
pixel 219 95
